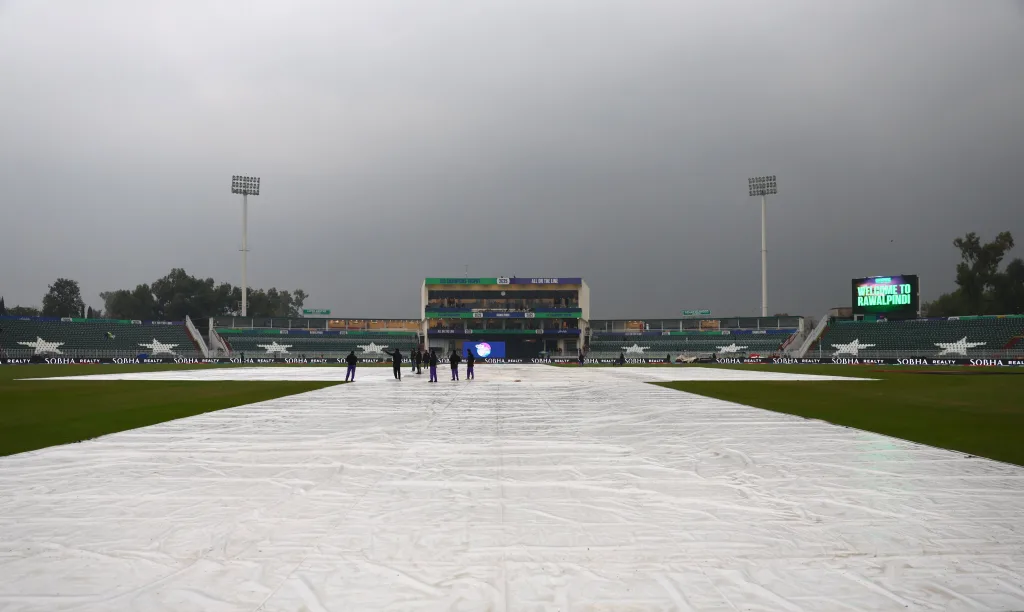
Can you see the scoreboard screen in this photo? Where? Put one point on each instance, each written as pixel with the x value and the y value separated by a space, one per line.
pixel 886 295
pixel 483 349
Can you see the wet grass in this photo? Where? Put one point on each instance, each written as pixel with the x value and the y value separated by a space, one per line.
pixel 39 413
pixel 979 411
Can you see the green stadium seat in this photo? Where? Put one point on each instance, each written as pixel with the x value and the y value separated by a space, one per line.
pixel 967 337
pixel 22 337
pixel 257 343
pixel 610 345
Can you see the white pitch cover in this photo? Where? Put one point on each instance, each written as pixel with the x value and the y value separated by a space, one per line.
pixel 531 488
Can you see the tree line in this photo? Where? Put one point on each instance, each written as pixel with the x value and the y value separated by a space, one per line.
pixel 170 298
pixel 982 287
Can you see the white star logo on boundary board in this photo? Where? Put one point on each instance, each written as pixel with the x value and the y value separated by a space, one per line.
pixel 852 348
pixel 959 347
pixel 274 347
pixel 43 347
pixel 372 348
pixel 158 347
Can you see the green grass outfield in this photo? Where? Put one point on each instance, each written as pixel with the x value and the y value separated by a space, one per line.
pixel 979 411
pixel 36 414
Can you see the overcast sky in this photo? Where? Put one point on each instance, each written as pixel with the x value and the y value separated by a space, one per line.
pixel 607 139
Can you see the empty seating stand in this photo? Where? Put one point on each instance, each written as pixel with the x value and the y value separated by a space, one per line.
pixel 957 337
pixel 654 346
pixel 100 338
pixel 292 343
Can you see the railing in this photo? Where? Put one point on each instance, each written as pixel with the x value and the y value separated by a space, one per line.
pixel 196 336
pixel 812 336
pixel 510 306
pixel 218 347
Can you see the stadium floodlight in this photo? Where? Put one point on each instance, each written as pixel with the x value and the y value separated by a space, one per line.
pixel 763 186
pixel 247 186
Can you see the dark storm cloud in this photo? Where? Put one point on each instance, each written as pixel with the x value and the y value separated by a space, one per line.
pixel 603 139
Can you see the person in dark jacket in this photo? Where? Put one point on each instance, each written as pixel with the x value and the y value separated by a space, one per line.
pixel 668 358
pixel 432 360
pixel 454 360
pixel 417 361
pixel 470 360
pixel 396 363
pixel 621 360
pixel 351 360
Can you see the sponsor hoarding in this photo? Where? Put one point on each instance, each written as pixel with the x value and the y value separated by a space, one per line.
pixel 1002 362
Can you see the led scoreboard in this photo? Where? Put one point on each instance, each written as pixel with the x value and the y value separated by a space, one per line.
pixel 886 295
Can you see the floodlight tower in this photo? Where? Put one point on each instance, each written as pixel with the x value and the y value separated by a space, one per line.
pixel 763 186
pixel 247 186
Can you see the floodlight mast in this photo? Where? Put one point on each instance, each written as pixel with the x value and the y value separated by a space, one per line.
pixel 247 186
pixel 763 186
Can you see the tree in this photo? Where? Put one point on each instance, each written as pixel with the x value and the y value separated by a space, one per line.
pixel 1008 289
pixel 133 305
pixel 23 311
pixel 981 287
pixel 3 309
pixel 178 294
pixel 298 301
pixel 275 303
pixel 977 273
pixel 947 305
pixel 64 299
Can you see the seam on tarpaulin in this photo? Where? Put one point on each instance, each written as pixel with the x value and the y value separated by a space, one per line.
pixel 313 546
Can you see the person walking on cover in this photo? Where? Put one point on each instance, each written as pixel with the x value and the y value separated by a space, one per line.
pixel 351 360
pixel 470 360
pixel 417 361
pixel 454 360
pixel 396 363
pixel 432 360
